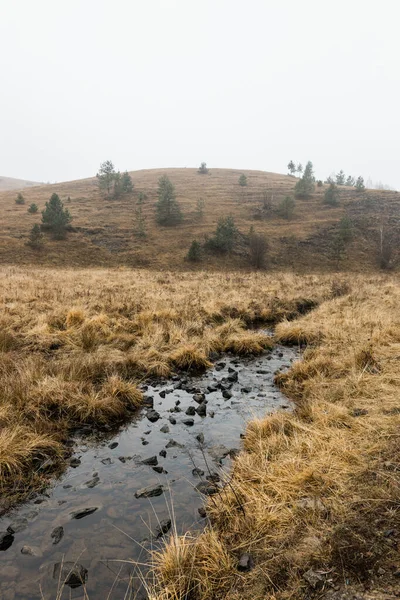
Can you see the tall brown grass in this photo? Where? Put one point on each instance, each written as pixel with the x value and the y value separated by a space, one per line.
pixel 75 344
pixel 321 485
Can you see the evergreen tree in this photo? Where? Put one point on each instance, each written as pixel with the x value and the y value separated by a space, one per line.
pixel 140 223
pixel 203 169
pixel 350 181
pixel 243 180
pixel 331 195
pixel 106 176
pixel 291 167
pixel 126 183
pixel 168 209
pixel 345 229
pixel 306 185
pixel 117 185
pixel 286 207
pixel 200 205
pixel 194 253
pixel 55 217
pixel 224 237
pixel 360 187
pixel 35 237
pixel 33 208
pixel 19 199
pixel 299 169
pixel 340 178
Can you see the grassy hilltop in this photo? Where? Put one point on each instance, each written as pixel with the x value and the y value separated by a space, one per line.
pixel 103 229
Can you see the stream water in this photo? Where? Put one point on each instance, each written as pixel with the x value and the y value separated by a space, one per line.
pixel 107 475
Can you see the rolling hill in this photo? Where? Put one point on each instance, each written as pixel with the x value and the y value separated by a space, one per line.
pixel 9 183
pixel 103 229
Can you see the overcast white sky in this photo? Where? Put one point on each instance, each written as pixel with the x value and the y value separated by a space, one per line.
pixel 170 83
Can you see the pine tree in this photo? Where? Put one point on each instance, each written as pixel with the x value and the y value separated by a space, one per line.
pixel 306 185
pixel 360 187
pixel 194 253
pixel 243 180
pixel 55 217
pixel 140 223
pixel 19 199
pixel 350 181
pixel 286 207
pixel 168 209
pixel 33 208
pixel 203 169
pixel 117 185
pixel 299 169
pixel 35 237
pixel 126 183
pixel 340 178
pixel 106 176
pixel 291 167
pixel 331 195
pixel 224 237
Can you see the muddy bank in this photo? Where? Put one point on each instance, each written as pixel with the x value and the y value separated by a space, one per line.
pixel 121 493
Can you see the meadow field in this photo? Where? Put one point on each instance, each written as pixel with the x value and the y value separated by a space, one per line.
pixel 315 489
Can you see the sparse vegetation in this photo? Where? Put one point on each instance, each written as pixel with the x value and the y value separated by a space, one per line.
pixel 360 187
pixel 168 209
pixel 19 199
pixel 200 206
pixel 306 185
pixel 55 217
pixel 243 180
pixel 35 240
pixel 194 253
pixel 139 228
pixel 286 207
pixel 203 169
pixel 224 238
pixel 331 195
pixel 258 250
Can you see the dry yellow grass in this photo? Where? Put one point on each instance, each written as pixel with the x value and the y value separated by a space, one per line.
pixel 74 344
pixel 319 486
pixel 104 228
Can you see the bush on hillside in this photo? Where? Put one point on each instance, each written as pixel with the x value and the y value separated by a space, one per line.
pixel 224 238
pixel 194 253
pixel 168 209
pixel 306 185
pixel 331 196
pixel 33 208
pixel 203 169
pixel 19 199
pixel 55 217
pixel 35 239
pixel 243 180
pixel 360 187
pixel 258 250
pixel 286 207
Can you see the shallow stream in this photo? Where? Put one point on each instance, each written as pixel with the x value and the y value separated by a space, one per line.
pixel 107 472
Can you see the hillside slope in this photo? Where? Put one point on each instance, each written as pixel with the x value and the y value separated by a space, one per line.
pixel 103 229
pixel 9 183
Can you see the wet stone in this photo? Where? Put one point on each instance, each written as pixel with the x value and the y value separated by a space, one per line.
pixel 152 415
pixel 176 409
pixel 70 573
pixel 207 488
pixel 158 469
pixel 246 390
pixel 188 422
pixel 151 461
pixel 202 409
pixel 31 551
pixel 107 461
pixel 85 512
pixel 149 492
pixel 18 525
pixel 93 482
pixel 202 512
pixel 172 420
pixel 75 462
pixel 163 394
pixel 177 402
pixel 246 563
pixel 197 472
pixel 233 377
pixel 6 540
pixel 214 478
pixel 163 527
pixel 124 459
pixel 163 453
pixel 57 534
pixel 190 411
pixel 173 444
pixel 227 394
pixel 200 438
pixel 199 398
pixel 113 445
pixel 148 401
pixel 164 429
pixel 144 442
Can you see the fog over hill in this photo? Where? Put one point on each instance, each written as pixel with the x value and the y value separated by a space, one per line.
pixel 9 183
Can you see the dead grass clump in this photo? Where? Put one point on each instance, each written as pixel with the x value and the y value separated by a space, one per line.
pixel 295 332
pixel 193 567
pixel 75 317
pixel 248 343
pixel 190 358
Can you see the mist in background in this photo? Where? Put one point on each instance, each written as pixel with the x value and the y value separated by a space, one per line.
pixel 171 83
